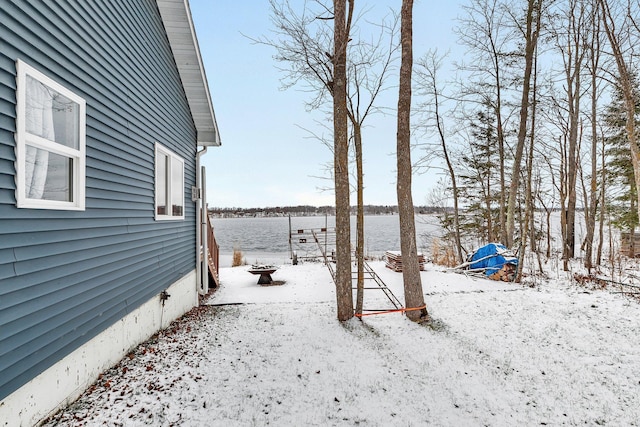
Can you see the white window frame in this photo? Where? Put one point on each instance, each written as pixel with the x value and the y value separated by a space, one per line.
pixel 23 138
pixel 173 157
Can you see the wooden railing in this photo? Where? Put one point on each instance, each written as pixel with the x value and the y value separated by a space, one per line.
pixel 214 254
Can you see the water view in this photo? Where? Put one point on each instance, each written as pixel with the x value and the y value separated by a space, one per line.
pixel 266 240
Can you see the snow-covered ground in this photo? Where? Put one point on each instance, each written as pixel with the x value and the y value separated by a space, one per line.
pixel 495 354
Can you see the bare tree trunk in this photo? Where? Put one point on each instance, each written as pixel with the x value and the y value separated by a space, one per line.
pixel 603 207
pixel 632 234
pixel 547 209
pixel 487 206
pixel 304 42
pixel 548 217
pixel 414 298
pixel 534 10
pixel 594 65
pixel 429 67
pixel 534 242
pixel 357 140
pixel 483 32
pixel 574 111
pixel 573 50
pixel 563 195
pixel 368 68
pixel 503 183
pixel 454 185
pixel 529 210
pixel 501 152
pixel 344 297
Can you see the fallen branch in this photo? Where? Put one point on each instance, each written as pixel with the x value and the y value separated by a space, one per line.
pixel 618 283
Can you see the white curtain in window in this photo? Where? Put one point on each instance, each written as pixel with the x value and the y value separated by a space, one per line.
pixel 38 121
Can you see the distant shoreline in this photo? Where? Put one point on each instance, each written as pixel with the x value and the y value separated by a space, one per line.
pixel 302 211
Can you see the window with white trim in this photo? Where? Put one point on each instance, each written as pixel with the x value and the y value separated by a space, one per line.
pixel 169 184
pixel 50 143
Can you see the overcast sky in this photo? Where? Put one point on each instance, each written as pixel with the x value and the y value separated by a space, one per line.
pixel 267 158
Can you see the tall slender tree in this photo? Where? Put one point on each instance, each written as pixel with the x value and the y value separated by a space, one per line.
pixel 569 37
pixel 485 31
pixel 414 297
pixel 369 65
pixel 342 25
pixel 530 31
pixel 593 65
pixel 427 72
pixel 317 56
pixel 528 227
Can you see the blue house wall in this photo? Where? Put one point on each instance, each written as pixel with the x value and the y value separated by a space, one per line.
pixel 65 276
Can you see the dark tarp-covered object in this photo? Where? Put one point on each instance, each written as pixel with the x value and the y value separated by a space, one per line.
pixel 492 258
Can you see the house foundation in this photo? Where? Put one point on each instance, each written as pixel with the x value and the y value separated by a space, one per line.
pixel 65 381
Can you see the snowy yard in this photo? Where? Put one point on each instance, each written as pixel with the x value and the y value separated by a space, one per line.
pixel 497 354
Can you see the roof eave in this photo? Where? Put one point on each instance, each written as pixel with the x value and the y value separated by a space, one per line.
pixel 178 23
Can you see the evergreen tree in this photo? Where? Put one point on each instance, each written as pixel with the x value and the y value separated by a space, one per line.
pixel 619 166
pixel 480 180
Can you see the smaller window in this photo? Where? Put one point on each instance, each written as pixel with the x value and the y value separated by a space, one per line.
pixel 50 143
pixel 169 185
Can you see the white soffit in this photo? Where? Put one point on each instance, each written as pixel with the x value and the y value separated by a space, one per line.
pixel 176 16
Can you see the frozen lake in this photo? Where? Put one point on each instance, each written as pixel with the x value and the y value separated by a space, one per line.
pixel 266 240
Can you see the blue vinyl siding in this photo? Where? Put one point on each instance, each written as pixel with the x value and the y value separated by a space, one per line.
pixel 65 276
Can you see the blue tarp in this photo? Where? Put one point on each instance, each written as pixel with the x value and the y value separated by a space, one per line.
pixel 492 257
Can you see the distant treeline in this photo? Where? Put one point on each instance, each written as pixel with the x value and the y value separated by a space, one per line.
pixel 305 210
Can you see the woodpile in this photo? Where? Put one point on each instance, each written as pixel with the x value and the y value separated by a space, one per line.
pixel 506 273
pixel 393 260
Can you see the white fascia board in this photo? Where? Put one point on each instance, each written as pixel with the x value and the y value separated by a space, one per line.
pixel 178 23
